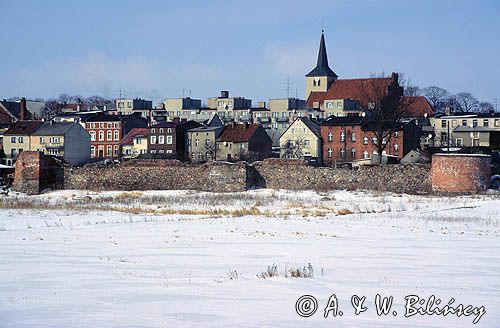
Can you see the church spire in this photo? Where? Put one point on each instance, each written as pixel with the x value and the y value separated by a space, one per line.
pixel 322 68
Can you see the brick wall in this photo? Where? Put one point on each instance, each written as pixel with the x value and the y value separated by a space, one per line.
pixel 34 172
pixel 461 173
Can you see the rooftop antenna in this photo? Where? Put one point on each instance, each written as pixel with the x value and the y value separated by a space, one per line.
pixel 287 88
pixel 182 93
pixel 121 94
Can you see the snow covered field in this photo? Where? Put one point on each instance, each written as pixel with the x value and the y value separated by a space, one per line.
pixel 191 259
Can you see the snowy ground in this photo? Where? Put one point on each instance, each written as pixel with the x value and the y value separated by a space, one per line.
pixel 188 259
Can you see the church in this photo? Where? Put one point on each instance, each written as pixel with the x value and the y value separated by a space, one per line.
pixel 342 97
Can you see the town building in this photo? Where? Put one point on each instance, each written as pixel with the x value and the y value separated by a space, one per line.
pixel 302 140
pixel 350 139
pixel 17 139
pixel 135 143
pixel 13 111
pixel 169 139
pixel 201 140
pixel 243 141
pixel 137 105
pixel 66 140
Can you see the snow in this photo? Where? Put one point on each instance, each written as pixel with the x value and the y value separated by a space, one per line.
pixel 115 259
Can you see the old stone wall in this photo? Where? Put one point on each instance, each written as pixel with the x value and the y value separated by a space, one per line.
pixel 461 173
pixel 295 175
pixel 34 172
pixel 159 175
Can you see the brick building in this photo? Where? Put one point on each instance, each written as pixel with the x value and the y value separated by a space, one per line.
pixel 349 139
pixel 105 135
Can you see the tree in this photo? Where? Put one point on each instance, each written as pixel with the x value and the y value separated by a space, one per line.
pixel 293 149
pixel 436 96
pixel 387 110
pixel 486 107
pixel 410 89
pixel 466 102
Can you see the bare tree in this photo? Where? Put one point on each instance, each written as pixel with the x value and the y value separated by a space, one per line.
pixel 386 112
pixel 486 107
pixel 466 102
pixel 410 89
pixel 293 149
pixel 436 96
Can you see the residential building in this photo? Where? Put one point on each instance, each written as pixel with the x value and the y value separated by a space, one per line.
pixel 350 139
pixel 465 129
pixel 302 140
pixel 66 140
pixel 137 105
pixel 225 105
pixel 243 141
pixel 135 143
pixel 17 139
pixel 201 140
pixel 13 111
pixel 169 139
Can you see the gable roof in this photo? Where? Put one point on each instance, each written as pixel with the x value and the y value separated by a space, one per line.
pixel 356 89
pixel 238 132
pixel 322 68
pixel 23 128
pixel 215 121
pixel 418 106
pixel 54 128
pixel 14 109
pixel 129 137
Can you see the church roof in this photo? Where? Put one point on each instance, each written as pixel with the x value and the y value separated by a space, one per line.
pixel 322 68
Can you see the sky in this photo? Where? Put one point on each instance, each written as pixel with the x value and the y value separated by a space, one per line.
pixel 167 49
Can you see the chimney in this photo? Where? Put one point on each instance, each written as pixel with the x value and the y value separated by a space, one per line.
pixel 22 111
pixel 224 94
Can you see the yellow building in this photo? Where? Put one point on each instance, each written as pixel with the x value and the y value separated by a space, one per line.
pixel 17 139
pixel 302 140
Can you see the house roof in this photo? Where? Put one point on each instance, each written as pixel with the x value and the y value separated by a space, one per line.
pixel 238 132
pixel 322 68
pixel 14 108
pixel 23 128
pixel 54 128
pixel 342 120
pixel 104 118
pixel 165 124
pixel 312 125
pixel 418 106
pixel 357 89
pixel 135 132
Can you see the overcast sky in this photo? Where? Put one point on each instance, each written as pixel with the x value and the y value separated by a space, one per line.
pixel 157 49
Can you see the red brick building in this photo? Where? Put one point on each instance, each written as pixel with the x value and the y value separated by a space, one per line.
pixel 349 139
pixel 105 135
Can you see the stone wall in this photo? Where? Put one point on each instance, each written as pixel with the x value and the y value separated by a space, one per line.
pixel 34 172
pixel 461 173
pixel 159 175
pixel 227 177
pixel 296 175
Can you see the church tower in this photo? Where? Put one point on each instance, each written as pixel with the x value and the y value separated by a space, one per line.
pixel 321 77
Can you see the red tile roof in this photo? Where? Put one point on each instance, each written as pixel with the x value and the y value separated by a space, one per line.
pixel 129 137
pixel 238 132
pixel 418 106
pixel 357 89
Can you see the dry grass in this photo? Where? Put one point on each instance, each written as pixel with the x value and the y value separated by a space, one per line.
pixel 344 211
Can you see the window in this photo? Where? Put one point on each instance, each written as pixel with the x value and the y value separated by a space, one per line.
pixel 475 142
pixel 92 136
pixel 117 135
pixel 101 125
pixel 207 142
pixel 242 146
pixel 92 151
pixel 116 125
pixel 366 155
pixel 497 122
pixel 161 151
pixel 353 136
pixel 384 141
pixel 444 137
pixel 110 125
pixel 443 123
pixel 330 153
pixel 396 147
pixel 375 140
pixel 101 135
pixel 153 140
pixel 161 131
pixel 342 153
pixel 54 140
pixel 221 103
pixel 453 123
pixel 117 150
pixel 329 105
pixel 196 142
pixel 153 151
pixel 129 104
pixel 120 105
pixel 486 122
pixel 42 139
pixel 342 136
pixel 109 135
pixel 169 140
pixel 152 130
pixel 21 139
pixel 475 134
pixel 353 153
pixel 459 142
pixel 396 134
pixel 161 140
pixel 109 150
pixel 330 136
pixel 53 151
pixel 365 140
pixel 339 105
pixel 138 141
pixel 474 123
pixel 13 139
pixel 464 122
pixel 169 130
pixel 307 143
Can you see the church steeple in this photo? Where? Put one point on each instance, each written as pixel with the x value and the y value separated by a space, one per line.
pixel 321 77
pixel 322 68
